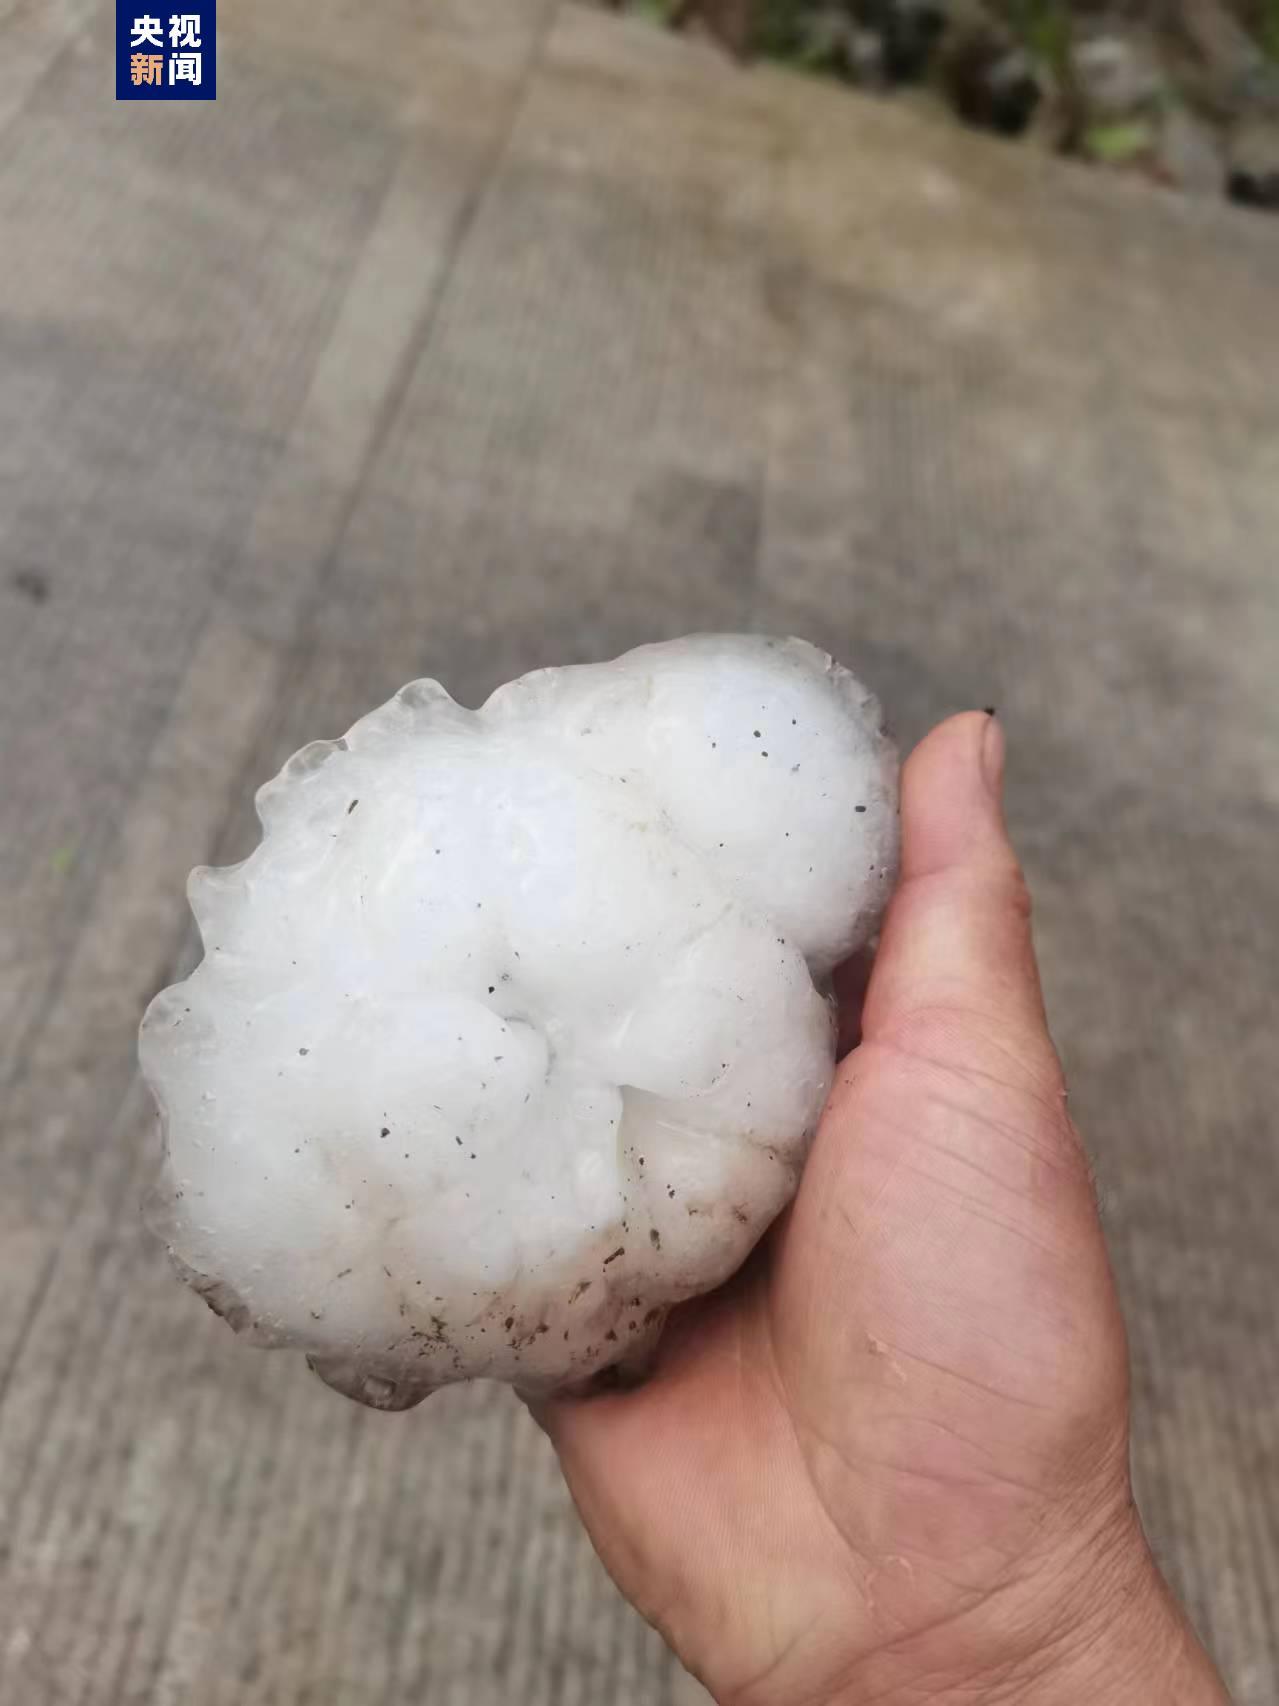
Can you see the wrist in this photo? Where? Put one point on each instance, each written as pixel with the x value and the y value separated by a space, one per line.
pixel 1121 1640
pixel 1095 1623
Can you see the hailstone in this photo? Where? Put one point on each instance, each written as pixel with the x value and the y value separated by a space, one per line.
pixel 514 1029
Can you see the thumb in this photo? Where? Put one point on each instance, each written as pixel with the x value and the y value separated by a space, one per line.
pixel 956 972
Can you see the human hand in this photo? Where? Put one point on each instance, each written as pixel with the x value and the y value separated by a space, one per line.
pixel 889 1461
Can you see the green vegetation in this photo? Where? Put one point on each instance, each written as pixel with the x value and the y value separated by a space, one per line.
pixel 1043 29
pixel 784 29
pixel 655 11
pixel 1113 144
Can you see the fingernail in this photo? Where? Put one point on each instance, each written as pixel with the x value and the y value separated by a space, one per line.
pixel 992 753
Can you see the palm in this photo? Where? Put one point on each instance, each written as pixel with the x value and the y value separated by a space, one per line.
pixel 858 1440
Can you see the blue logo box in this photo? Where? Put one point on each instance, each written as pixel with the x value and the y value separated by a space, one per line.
pixel 166 56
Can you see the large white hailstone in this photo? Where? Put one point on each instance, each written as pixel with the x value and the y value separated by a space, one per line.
pixel 513 1030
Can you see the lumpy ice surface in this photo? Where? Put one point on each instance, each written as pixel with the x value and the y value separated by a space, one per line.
pixel 513 1031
